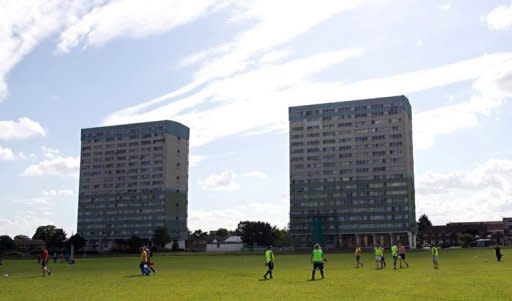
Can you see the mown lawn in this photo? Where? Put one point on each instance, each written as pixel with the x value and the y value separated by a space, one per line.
pixel 464 274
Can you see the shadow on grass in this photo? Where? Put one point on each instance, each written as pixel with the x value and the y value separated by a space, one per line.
pixel 132 276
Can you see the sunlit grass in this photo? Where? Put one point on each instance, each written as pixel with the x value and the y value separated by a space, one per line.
pixel 464 274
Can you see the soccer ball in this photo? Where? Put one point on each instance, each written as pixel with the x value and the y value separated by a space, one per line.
pixel 6 275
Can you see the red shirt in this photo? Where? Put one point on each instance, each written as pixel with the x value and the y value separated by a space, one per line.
pixel 44 256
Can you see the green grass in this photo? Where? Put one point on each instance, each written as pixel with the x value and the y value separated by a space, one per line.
pixel 463 275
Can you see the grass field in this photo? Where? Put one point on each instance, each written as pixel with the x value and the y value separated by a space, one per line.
pixel 463 275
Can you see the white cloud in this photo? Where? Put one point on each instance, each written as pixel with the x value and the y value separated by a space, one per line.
pixel 25 223
pixel 224 181
pixel 21 129
pixel 60 192
pixel 194 160
pixel 492 90
pixel 256 174
pixel 419 43
pixel 59 166
pixel 481 193
pixel 446 6
pixel 267 32
pixel 24 24
pixel 499 18
pixel 246 97
pixel 6 154
pixel 134 19
pixel 275 213
pixel 26 214
pixel 49 153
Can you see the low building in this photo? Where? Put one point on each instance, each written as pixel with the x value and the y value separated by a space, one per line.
pixel 496 231
pixel 231 244
pixel 29 245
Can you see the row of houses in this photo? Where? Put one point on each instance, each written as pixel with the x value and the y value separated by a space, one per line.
pixel 210 243
pixel 448 235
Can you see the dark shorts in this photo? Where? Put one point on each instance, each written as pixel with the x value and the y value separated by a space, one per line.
pixel 43 264
pixel 402 256
pixel 358 257
pixel 395 257
pixel 318 265
pixel 270 265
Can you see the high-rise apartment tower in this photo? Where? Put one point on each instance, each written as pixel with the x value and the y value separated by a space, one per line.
pixel 133 179
pixel 352 173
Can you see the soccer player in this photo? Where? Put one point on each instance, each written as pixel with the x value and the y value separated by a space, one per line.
pixel 269 262
pixel 498 253
pixel 435 257
pixel 382 259
pixel 394 253
pixel 401 254
pixel 358 253
pixel 317 259
pixel 45 257
pixel 378 256
pixel 151 263
pixel 143 261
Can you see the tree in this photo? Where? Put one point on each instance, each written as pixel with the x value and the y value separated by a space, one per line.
pixel 473 232
pixel 175 245
pixel 222 232
pixel 6 244
pixel 198 232
pixel 280 237
pixel 424 223
pixel 44 232
pixel 56 240
pixel 161 236
pixel 259 233
pixel 77 241
pixel 52 236
pixel 466 239
pixel 134 242
pixel 21 237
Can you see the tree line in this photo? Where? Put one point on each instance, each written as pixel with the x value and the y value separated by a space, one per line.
pixel 252 233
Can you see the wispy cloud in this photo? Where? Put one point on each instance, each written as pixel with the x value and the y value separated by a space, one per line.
pixel 256 174
pixel 248 96
pixel 480 193
pixel 26 214
pixel 500 18
pixel 24 24
pixel 274 212
pixel 57 166
pixel 194 160
pixel 21 129
pixel 49 153
pixel 224 181
pixel 129 18
pixel 6 154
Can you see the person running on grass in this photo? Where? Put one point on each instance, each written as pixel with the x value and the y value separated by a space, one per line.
pixel 143 261
pixel 401 254
pixel 269 262
pixel 45 258
pixel 378 256
pixel 318 259
pixel 382 259
pixel 358 253
pixel 435 257
pixel 394 253
pixel 498 253
pixel 150 262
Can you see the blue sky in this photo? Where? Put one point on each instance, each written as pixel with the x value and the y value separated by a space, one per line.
pixel 229 70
